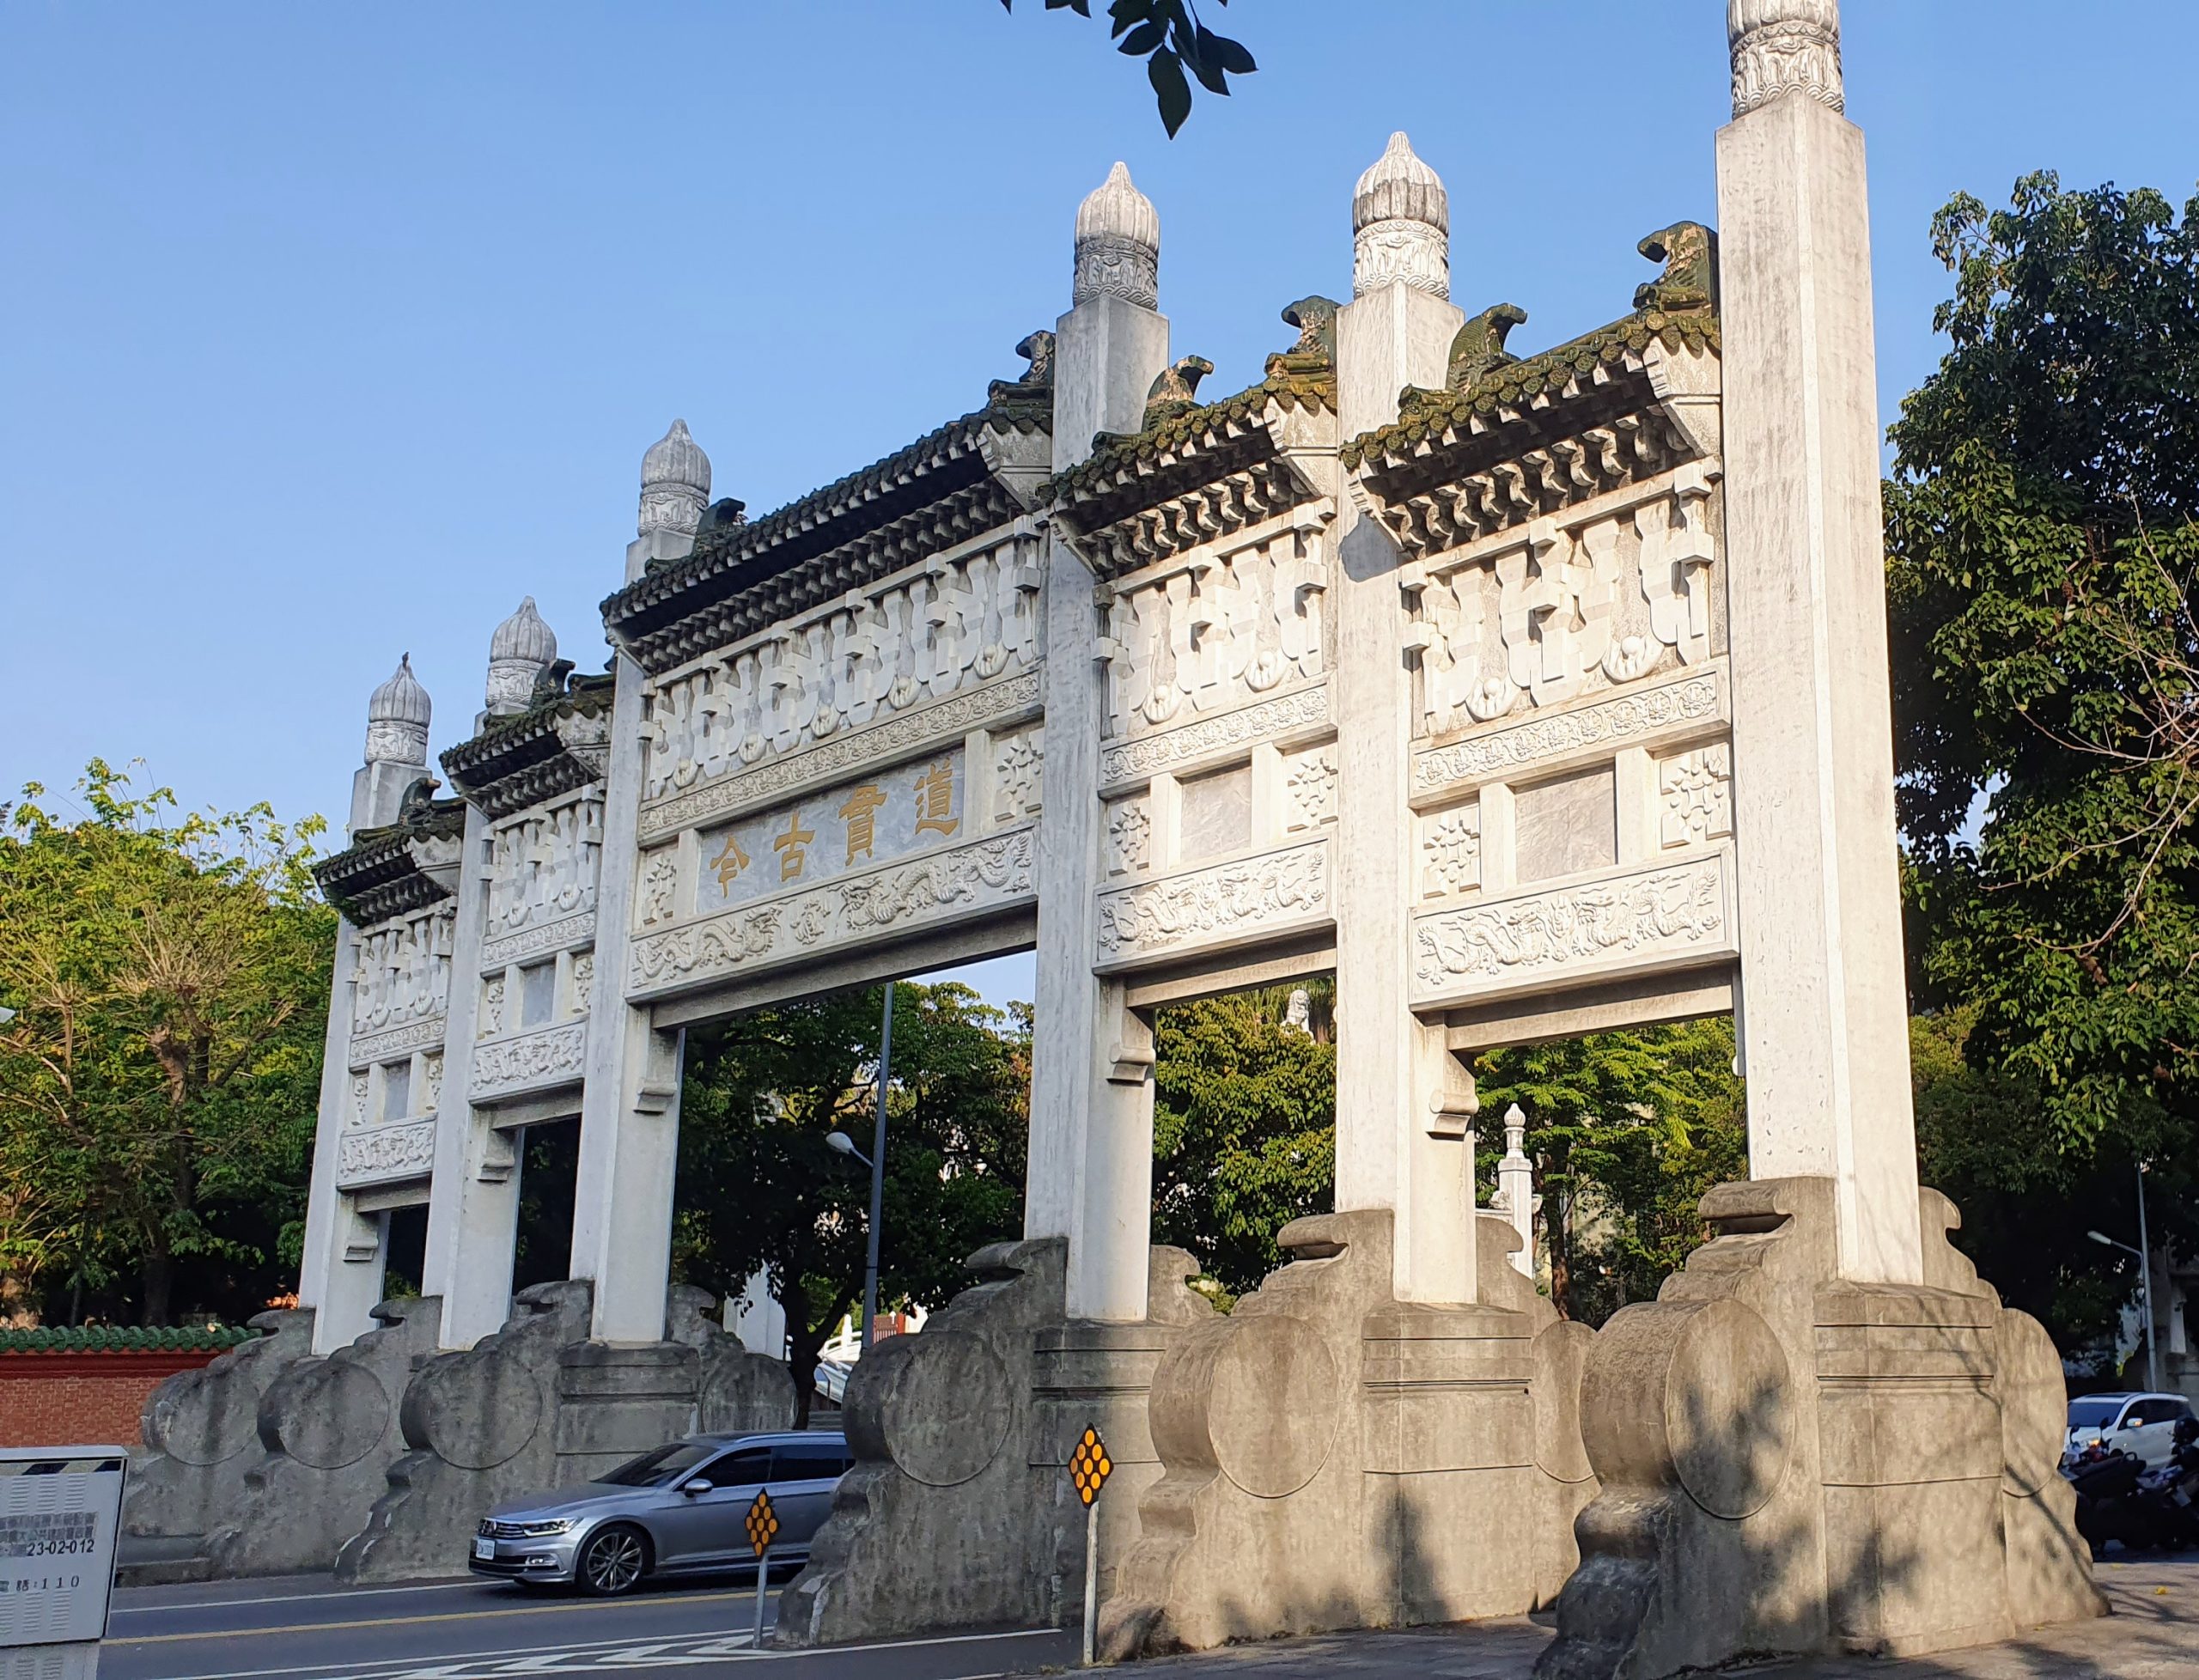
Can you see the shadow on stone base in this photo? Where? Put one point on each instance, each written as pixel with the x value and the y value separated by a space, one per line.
pixel 1791 1463
pixel 1335 1457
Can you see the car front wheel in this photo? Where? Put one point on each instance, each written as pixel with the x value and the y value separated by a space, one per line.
pixel 612 1561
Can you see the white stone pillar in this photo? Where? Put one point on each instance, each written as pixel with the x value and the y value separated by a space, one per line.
pixel 341 1279
pixel 1394 1147
pixel 1824 1033
pixel 630 1107
pixel 1090 1176
pixel 1515 1188
pixel 473 1200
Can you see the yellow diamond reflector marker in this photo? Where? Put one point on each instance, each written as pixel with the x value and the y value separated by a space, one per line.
pixel 1089 1466
pixel 762 1523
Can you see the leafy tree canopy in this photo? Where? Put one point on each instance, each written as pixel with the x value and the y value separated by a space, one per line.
pixel 1244 1127
pixel 159 1082
pixel 2041 545
pixel 761 1190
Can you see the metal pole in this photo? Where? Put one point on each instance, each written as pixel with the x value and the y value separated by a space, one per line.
pixel 878 1175
pixel 763 1575
pixel 1091 1575
pixel 2146 1277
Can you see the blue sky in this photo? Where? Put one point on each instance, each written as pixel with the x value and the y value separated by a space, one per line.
pixel 331 330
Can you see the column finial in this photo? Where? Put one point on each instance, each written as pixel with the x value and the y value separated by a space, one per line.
pixel 1784 46
pixel 675 483
pixel 519 651
pixel 1117 244
pixel 1400 224
pixel 397 714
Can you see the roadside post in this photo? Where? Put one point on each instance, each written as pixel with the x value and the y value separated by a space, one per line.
pixel 1089 1467
pixel 762 1526
pixel 60 1510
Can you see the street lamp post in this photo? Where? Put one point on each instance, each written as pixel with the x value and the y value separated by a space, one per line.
pixel 2145 1285
pixel 875 1161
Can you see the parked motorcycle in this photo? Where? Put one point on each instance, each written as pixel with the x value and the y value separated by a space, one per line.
pixel 2119 1499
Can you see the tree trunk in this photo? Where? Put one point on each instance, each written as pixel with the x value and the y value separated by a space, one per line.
pixel 157 1272
pixel 1561 1256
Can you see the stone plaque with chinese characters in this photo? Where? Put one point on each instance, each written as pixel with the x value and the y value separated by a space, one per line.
pixel 844 830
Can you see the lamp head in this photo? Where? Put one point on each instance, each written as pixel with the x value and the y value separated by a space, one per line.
pixel 841 1141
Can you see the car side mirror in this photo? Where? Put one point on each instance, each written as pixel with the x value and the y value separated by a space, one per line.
pixel 699 1485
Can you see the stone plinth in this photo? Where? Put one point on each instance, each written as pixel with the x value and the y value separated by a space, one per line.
pixel 201 1435
pixel 538 1405
pixel 1334 1458
pixel 958 1511
pixel 1792 1462
pixel 328 1434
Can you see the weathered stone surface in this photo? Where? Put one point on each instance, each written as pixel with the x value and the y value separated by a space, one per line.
pixel 328 1434
pixel 1792 1462
pixel 538 1405
pixel 957 1512
pixel 1335 1457
pixel 200 1434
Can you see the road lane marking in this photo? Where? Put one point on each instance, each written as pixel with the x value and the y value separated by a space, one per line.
pixel 680 1651
pixel 415 1620
pixel 302 1598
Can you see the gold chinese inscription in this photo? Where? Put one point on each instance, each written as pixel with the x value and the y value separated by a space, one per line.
pixel 793 848
pixel 729 862
pixel 935 791
pixel 859 813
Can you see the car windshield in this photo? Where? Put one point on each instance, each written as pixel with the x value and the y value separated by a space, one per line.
pixel 659 1468
pixel 2092 1414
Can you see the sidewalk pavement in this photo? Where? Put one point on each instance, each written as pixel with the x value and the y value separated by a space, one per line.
pixel 2153 1634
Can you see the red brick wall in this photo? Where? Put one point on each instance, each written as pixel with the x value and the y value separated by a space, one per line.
pixel 81 1399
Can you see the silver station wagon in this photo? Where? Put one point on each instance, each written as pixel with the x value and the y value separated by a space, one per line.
pixel 677 1510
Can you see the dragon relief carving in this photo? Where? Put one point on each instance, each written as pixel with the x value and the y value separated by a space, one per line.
pixel 791 927
pixel 375 1154
pixel 532 1058
pixel 1221 902
pixel 1634 914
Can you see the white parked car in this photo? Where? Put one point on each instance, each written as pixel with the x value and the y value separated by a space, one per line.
pixel 2141 1425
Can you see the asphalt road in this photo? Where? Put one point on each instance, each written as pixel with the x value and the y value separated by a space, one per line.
pixel 301 1628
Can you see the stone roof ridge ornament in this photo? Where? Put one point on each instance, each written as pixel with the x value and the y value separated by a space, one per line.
pixel 1175 390
pixel 1400 224
pixel 1315 352
pixel 522 647
pixel 1477 350
pixel 1784 46
pixel 675 483
pixel 1117 244
pixel 1036 382
pixel 398 716
pixel 1689 251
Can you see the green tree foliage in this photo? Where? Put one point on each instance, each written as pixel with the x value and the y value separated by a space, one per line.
pixel 1169 36
pixel 759 1188
pixel 158 1085
pixel 1244 1127
pixel 2041 547
pixel 1626 1131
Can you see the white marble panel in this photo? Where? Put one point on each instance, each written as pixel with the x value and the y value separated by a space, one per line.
pixel 1566 827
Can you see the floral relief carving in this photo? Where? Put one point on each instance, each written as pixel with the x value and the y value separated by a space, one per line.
pixel 1311 781
pixel 1450 847
pixel 918 639
pixel 1303 708
pixel 1223 902
pixel 1019 766
pixel 1635 915
pixel 491 1020
pixel 583 981
pixel 659 882
pixel 1213 633
pixel 379 1155
pixel 559 936
pixel 359 1088
pixel 1129 830
pixel 1533 740
pixel 432 1070
pixel 1697 788
pixel 557 1053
